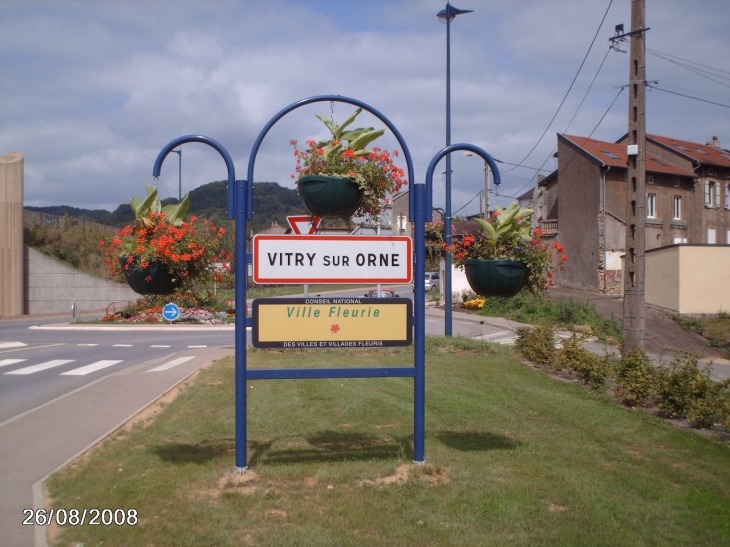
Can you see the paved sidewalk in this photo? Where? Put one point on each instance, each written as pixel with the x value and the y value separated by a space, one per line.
pixel 36 443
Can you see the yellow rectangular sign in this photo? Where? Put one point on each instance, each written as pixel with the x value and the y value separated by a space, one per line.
pixel 331 322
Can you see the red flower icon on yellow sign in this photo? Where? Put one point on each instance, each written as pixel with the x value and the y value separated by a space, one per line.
pixel 335 328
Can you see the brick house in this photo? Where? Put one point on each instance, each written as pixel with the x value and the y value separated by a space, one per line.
pixel 583 203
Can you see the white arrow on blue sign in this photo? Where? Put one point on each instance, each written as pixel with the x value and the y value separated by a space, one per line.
pixel 171 311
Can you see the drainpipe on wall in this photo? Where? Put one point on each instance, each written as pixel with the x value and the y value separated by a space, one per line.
pixel 692 214
pixel 603 226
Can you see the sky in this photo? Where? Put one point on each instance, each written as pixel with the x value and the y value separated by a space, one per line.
pixel 91 91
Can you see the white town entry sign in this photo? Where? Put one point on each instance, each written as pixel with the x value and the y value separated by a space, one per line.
pixel 284 259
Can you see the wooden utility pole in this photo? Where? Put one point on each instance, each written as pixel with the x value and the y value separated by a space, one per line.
pixel 634 268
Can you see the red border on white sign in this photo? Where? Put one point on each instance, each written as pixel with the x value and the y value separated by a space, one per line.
pixel 303 221
pixel 354 246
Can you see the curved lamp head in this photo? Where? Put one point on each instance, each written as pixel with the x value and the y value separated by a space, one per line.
pixel 447 15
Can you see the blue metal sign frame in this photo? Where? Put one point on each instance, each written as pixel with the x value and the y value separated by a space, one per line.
pixel 240 207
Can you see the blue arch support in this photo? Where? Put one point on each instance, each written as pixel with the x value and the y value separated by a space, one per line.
pixel 240 208
pixel 237 209
pixel 447 222
pixel 416 203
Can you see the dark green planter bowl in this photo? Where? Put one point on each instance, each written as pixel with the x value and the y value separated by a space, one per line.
pixel 155 279
pixel 325 196
pixel 496 277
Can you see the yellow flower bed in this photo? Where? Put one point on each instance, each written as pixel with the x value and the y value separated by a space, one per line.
pixel 475 303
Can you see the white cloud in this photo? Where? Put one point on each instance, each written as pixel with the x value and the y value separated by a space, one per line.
pixel 93 90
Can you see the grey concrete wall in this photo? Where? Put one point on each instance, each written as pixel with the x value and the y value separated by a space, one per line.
pixel 11 234
pixel 51 287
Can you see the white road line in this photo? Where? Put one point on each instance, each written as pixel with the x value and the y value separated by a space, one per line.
pixel 42 366
pixel 89 345
pixel 6 362
pixel 173 363
pixel 159 346
pixel 493 335
pixel 88 369
pixel 197 346
pixel 123 345
pixel 12 344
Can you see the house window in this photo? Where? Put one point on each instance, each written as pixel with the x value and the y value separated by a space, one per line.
pixel 651 206
pixel 680 240
pixel 710 170
pixel 677 207
pixel 711 236
pixel 727 196
pixel 676 182
pixel 650 179
pixel 712 194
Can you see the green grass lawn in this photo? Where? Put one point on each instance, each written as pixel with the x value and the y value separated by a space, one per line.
pixel 514 457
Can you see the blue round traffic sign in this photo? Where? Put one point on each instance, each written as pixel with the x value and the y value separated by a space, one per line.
pixel 171 311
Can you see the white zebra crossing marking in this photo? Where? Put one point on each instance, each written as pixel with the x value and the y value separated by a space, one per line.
pixel 173 363
pixel 88 369
pixel 197 346
pixel 159 346
pixel 4 345
pixel 6 362
pixel 87 345
pixel 123 345
pixel 42 366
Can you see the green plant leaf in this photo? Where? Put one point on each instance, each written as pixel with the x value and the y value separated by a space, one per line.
pixel 340 129
pixel 328 122
pixel 487 228
pixel 176 213
pixel 366 138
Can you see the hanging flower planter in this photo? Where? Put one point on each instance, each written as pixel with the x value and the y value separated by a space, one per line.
pixel 496 277
pixel 341 177
pixel 154 279
pixel 327 196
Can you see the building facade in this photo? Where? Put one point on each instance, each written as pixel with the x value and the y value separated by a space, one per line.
pixel 584 203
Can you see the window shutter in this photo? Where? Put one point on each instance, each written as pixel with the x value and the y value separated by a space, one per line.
pixel 716 203
pixel 727 197
pixel 708 198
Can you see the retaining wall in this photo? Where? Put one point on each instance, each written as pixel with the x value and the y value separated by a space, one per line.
pixel 51 287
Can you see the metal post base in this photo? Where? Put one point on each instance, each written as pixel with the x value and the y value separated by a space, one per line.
pixel 240 470
pixel 419 463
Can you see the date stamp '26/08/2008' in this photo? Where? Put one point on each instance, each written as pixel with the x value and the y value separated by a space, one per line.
pixel 80 517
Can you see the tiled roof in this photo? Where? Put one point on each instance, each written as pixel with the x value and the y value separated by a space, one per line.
pixel 613 154
pixel 702 153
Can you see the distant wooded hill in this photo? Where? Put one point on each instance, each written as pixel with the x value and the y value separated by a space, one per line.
pixel 271 202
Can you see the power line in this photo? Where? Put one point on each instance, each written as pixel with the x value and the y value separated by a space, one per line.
pixel 699 72
pixel 659 53
pixel 468 202
pixel 589 136
pixel 567 92
pixel 694 91
pixel 688 96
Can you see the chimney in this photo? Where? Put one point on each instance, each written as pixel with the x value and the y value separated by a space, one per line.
pixel 715 142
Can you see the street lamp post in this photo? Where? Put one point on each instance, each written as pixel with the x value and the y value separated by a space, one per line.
pixel 446 16
pixel 179 173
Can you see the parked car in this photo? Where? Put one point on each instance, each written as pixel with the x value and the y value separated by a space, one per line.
pixel 384 293
pixel 433 282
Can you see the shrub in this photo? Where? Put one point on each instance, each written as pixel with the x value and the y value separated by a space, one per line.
pixel 590 368
pixel 686 391
pixel 537 344
pixel 636 378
